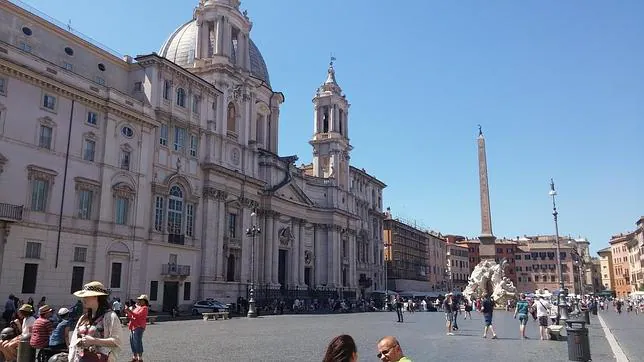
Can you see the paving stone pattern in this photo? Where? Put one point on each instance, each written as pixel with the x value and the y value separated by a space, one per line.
pixel 305 337
pixel 628 329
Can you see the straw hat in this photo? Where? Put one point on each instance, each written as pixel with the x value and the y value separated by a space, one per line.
pixel 44 309
pixel 92 289
pixel 144 297
pixel 27 308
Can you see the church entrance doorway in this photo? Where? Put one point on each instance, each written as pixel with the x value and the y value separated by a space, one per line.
pixel 307 276
pixel 170 296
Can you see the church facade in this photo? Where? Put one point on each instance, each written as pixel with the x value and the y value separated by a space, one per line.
pixel 160 164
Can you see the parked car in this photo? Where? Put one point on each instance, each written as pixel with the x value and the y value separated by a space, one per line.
pixel 207 306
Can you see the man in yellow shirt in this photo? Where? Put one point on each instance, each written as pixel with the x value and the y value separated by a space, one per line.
pixel 389 350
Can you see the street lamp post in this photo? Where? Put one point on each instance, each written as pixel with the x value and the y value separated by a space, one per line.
pixel 253 231
pixel 387 251
pixel 561 298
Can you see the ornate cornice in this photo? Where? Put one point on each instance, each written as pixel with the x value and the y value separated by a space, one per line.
pixel 248 203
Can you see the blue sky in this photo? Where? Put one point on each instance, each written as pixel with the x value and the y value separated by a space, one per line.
pixel 558 87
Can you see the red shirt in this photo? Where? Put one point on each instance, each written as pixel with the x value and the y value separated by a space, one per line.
pixel 138 317
pixel 40 333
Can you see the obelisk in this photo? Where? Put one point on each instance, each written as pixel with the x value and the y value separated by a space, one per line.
pixel 487 249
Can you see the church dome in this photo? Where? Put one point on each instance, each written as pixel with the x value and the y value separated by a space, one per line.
pixel 181 46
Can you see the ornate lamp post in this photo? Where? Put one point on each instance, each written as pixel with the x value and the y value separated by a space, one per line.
pixel 561 298
pixel 253 231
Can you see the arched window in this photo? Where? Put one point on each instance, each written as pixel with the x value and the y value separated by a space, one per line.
pixel 231 124
pixel 325 120
pixel 175 214
pixel 341 121
pixel 181 97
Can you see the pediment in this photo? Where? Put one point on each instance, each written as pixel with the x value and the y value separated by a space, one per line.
pixel 292 192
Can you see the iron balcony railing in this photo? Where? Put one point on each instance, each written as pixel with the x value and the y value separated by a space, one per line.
pixel 175 270
pixel 10 212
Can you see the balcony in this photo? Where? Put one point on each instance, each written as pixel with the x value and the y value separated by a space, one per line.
pixel 176 239
pixel 175 270
pixel 10 212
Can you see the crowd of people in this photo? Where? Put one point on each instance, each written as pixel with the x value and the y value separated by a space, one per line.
pixel 88 331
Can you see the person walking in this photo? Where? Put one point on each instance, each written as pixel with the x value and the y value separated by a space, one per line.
pixel 117 307
pixel 449 315
pixel 521 309
pixel 138 320
pixel 399 309
pixel 543 309
pixel 9 310
pixel 487 307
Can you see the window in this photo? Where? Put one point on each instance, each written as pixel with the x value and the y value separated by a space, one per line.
pixel 39 194
pixel 193 145
pixel 196 104
pixel 186 290
pixel 92 118
pixel 232 225
pixel 100 80
pixel 29 278
pixel 45 136
pixel 25 47
pixel 69 51
pixel 181 97
pixel 3 86
pixel 78 274
pixel 167 87
pixel 101 67
pixel 179 138
pixel 80 255
pixel 122 208
pixel 89 149
pixel 32 250
pixel 190 217
pixel 163 135
pixel 175 211
pixel 125 160
pixel 154 290
pixel 231 124
pixel 159 204
pixel 49 102
pixel 138 87
pixel 127 131
pixel 85 198
pixel 68 66
pixel 27 31
pixel 115 278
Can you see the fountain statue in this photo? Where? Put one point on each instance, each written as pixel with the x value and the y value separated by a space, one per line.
pixel 488 277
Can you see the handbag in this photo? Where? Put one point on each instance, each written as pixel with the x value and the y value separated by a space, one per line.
pixel 89 356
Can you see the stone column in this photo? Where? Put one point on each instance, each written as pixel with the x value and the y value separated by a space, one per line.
pixel 4 231
pixel 353 281
pixel 219 241
pixel 218 31
pixel 201 26
pixel 295 262
pixel 332 254
pixel 209 236
pixel 317 255
pixel 276 250
pixel 268 247
pixel 301 264
pixel 241 50
pixel 246 243
pixel 316 121
pixel 252 134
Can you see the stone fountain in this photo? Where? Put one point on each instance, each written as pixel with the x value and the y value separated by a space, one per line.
pixel 489 277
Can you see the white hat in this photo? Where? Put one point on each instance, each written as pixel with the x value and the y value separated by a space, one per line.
pixel 63 311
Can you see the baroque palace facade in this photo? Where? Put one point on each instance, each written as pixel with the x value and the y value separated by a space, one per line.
pixel 157 165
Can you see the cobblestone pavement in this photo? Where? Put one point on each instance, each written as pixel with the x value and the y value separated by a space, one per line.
pixel 305 337
pixel 628 329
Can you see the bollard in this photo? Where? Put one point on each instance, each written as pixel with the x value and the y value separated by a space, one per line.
pixel 578 343
pixel 25 352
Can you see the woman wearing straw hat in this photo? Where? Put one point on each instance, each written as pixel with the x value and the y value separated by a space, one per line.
pixel 97 336
pixel 138 319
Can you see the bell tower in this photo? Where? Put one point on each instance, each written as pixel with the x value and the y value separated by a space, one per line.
pixel 330 141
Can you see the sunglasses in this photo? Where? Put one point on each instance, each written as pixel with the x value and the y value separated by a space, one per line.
pixel 386 352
